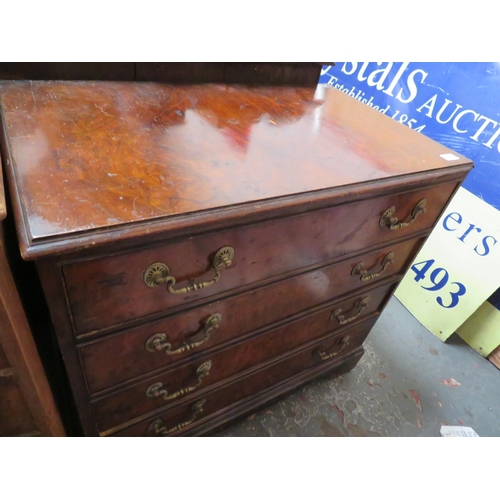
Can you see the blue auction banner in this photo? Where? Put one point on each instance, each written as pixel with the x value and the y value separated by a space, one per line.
pixel 458 105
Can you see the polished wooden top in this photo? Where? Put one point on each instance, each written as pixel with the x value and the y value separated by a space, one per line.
pixel 93 155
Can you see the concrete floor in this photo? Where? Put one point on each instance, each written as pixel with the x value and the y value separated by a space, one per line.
pixel 408 383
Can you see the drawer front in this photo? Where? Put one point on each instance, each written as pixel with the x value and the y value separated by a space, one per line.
pixel 202 374
pixel 121 357
pixel 113 290
pixel 189 413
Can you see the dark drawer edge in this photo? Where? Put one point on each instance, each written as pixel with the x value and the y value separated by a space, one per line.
pixel 228 415
pixel 157 316
pixel 163 371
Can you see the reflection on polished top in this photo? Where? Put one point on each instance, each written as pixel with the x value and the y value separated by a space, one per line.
pixel 89 155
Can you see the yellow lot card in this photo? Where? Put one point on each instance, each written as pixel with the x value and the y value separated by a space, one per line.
pixel 457 269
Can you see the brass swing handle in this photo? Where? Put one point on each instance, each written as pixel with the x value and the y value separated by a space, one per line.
pixel 388 218
pixel 358 307
pixel 156 390
pixel 367 276
pixel 157 342
pixel 343 345
pixel 159 274
pixel 157 426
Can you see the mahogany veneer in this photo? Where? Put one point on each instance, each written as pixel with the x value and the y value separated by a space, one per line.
pixel 206 249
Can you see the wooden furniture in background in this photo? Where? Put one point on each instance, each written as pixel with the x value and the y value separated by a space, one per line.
pixel 27 405
pixel 275 73
pixel 207 249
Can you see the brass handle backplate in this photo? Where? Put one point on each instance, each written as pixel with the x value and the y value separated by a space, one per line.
pixel 388 218
pixel 159 274
pixel 157 342
pixel 343 346
pixel 357 309
pixel 366 275
pixel 157 426
pixel 156 390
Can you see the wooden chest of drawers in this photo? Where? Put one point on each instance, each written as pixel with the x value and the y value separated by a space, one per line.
pixel 204 250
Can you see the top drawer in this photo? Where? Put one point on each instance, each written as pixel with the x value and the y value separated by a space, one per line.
pixel 108 291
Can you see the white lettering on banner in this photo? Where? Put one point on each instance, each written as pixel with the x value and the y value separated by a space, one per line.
pixel 412 87
pixel 325 70
pixel 360 74
pixel 463 121
pixel 441 111
pixel 429 105
pixel 487 121
pixel 459 117
pixel 457 268
pixel 379 84
pixel 396 79
pixel 384 72
pixel 354 66
pixel 356 94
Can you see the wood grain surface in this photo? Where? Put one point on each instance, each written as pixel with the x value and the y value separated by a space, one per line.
pixel 241 316
pixel 92 155
pixel 108 178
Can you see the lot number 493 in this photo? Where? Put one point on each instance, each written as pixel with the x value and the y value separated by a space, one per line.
pixel 439 278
